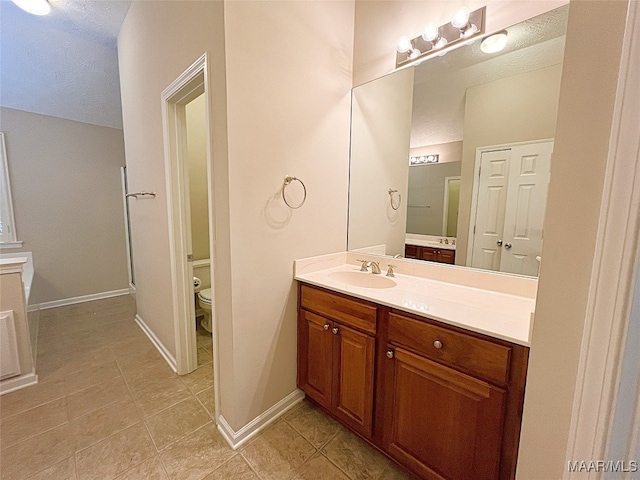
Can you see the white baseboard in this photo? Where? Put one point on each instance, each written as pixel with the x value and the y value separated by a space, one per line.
pixel 16 383
pixel 237 439
pixel 84 298
pixel 166 354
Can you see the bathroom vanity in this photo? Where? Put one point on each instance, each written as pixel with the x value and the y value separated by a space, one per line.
pixel 426 366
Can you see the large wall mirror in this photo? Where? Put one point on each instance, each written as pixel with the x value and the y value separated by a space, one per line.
pixel 450 159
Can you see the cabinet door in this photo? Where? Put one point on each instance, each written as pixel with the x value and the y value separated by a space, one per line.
pixel 430 254
pixel 442 423
pixel 314 357
pixel 412 251
pixel 447 256
pixel 353 361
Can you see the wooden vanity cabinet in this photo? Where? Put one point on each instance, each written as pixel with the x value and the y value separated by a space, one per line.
pixel 336 355
pixel 444 402
pixel 431 254
pixel 454 400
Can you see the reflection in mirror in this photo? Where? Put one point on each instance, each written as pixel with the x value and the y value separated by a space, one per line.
pixel 7 222
pixel 489 118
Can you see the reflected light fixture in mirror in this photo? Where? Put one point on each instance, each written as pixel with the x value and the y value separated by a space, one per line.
pixel 36 7
pixel 494 43
pixel 434 40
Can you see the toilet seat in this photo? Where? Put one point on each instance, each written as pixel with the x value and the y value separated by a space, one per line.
pixel 205 296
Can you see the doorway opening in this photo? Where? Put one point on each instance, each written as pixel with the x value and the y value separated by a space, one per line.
pixel 188 166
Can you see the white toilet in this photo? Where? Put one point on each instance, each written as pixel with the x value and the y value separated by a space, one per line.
pixel 204 301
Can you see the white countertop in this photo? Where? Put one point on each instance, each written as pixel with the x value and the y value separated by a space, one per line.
pixel 430 241
pixel 493 313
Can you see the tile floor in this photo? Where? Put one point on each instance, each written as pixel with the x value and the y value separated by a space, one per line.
pixel 109 407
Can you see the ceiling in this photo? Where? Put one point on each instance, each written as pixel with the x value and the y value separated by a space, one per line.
pixel 64 64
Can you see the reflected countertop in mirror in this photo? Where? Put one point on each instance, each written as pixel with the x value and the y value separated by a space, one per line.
pixel 488 120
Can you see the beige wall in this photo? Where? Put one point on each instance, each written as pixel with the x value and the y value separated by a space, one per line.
pixel 426 187
pixel 571 224
pixel 153 50
pixel 67 197
pixel 380 132
pixel 198 181
pixel 288 98
pixel 513 109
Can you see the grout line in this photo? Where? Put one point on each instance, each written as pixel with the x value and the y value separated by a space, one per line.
pixel 251 467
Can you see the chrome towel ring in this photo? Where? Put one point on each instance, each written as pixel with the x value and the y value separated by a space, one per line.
pixel 141 194
pixel 392 192
pixel 287 181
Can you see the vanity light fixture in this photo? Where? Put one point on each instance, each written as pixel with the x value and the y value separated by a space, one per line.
pixel 424 159
pixel 494 43
pixel 36 7
pixel 460 20
pixel 432 35
pixel 464 26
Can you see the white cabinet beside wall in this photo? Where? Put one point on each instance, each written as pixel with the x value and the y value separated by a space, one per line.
pixel 17 367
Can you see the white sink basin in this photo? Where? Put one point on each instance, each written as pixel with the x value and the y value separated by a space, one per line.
pixel 362 279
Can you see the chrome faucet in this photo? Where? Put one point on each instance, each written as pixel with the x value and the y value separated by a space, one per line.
pixel 375 266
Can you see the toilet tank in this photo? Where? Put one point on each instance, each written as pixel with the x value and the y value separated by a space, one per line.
pixel 202 270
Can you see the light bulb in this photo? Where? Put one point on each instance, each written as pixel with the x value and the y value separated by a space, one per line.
pixel 431 33
pixel 494 43
pixel 415 53
pixel 460 19
pixel 404 45
pixel 36 7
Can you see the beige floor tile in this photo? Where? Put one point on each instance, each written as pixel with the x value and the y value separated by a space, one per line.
pixel 201 379
pixel 37 453
pixel 93 398
pixel 132 346
pixel 91 376
pixel 308 420
pixel 354 457
pixel 278 452
pixel 116 454
pixel 237 469
pixel 157 396
pixel 64 470
pixel 28 398
pixel 204 356
pixel 193 457
pixel 148 470
pixel 150 365
pixel 81 358
pixel 176 422
pixel 320 468
pixel 204 338
pixel 207 398
pixel 104 422
pixel 33 422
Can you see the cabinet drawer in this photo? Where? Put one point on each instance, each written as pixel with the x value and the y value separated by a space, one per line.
pixel 466 353
pixel 350 311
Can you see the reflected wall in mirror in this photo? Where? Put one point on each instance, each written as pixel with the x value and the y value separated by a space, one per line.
pixel 462 106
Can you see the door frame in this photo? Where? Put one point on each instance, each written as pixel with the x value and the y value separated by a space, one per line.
pixel 476 175
pixel 192 83
pixel 612 282
pixel 445 210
